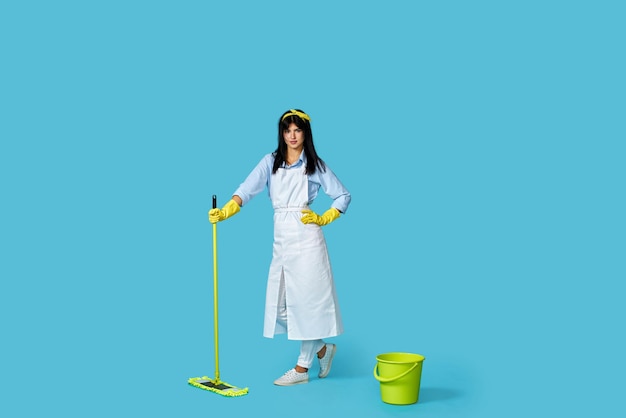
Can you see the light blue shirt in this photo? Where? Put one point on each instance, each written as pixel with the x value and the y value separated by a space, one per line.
pixel 261 177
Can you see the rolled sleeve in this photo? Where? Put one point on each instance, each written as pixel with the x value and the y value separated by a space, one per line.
pixel 256 181
pixel 335 190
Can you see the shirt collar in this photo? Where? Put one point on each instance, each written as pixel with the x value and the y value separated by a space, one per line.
pixel 301 160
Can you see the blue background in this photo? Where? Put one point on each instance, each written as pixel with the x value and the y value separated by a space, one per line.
pixel 483 143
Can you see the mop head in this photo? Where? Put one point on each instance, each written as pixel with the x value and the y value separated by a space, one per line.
pixel 219 387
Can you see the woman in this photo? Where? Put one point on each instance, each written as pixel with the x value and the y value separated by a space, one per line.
pixel 300 298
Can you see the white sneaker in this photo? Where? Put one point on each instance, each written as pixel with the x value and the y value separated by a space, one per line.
pixel 292 377
pixel 327 360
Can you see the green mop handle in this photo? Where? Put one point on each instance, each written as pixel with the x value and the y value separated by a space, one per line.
pixel 215 336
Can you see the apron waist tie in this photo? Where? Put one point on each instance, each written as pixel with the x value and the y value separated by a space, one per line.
pixel 290 209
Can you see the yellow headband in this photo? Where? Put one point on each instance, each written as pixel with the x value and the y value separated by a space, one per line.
pixel 301 115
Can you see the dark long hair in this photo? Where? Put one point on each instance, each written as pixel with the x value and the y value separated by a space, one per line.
pixel 314 162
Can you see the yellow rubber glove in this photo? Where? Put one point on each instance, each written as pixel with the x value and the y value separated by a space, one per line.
pixel 229 209
pixel 311 217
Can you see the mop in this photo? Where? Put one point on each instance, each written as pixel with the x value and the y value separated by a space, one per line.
pixel 216 385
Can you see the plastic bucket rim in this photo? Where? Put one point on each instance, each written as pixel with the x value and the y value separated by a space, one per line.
pixel 416 357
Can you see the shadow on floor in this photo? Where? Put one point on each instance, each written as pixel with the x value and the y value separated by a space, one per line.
pixel 427 395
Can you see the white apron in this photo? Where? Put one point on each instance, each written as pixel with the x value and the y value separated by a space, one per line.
pixel 300 258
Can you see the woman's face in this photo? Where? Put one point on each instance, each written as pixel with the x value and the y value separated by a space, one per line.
pixel 294 137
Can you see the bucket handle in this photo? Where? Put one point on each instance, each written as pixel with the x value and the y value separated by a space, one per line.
pixel 391 379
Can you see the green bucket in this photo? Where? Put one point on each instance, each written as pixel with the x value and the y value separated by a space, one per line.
pixel 399 375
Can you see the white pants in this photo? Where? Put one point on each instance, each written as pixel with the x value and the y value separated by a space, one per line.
pixel 308 348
